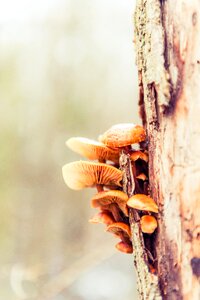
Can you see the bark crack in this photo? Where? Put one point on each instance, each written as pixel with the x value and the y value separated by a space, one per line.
pixel 148 286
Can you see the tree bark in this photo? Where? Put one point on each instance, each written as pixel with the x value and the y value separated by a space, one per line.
pixel 167 37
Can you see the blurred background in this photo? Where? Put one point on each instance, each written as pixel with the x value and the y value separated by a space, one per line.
pixel 67 68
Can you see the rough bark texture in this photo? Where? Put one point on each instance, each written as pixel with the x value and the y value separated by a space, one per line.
pixel 148 287
pixel 167 35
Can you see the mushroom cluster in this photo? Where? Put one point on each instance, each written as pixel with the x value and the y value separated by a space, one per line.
pixel 113 204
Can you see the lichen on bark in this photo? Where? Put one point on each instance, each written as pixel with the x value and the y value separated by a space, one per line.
pixel 150 45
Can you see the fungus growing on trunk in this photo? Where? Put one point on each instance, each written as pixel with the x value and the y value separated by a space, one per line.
pixel 104 217
pixel 113 203
pixel 110 199
pixel 148 224
pixel 121 230
pixel 124 247
pixel 139 155
pixel 122 135
pixel 81 174
pixel 143 202
pixel 92 149
pixel 142 176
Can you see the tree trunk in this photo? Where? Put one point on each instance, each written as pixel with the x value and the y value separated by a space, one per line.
pixel 167 37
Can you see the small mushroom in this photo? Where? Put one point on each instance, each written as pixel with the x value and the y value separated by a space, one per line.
pixel 139 155
pixel 120 230
pixel 124 247
pixel 92 149
pixel 81 174
pixel 106 199
pixel 143 202
pixel 148 224
pixel 103 217
pixel 142 176
pixel 152 269
pixel 122 135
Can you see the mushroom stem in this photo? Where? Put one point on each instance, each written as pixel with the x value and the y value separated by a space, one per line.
pixel 113 187
pixel 146 188
pixel 125 239
pixel 101 160
pixel 116 213
pixel 99 188
pixel 127 148
pixel 137 187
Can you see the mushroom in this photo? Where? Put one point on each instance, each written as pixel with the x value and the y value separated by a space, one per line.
pixel 82 174
pixel 124 247
pixel 148 224
pixel 139 168
pixel 92 149
pixel 104 217
pixel 111 200
pixel 139 155
pixel 143 202
pixel 122 135
pixel 142 176
pixel 120 230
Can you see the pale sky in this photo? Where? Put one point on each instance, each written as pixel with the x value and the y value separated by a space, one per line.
pixel 28 10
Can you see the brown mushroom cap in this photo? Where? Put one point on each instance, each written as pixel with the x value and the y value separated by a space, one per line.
pixel 143 202
pixel 148 224
pixel 119 229
pixel 92 149
pixel 139 155
pixel 102 217
pixel 124 247
pixel 122 135
pixel 81 174
pixel 106 198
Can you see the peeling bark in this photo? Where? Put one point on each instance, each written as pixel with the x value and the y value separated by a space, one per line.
pixel 167 35
pixel 148 287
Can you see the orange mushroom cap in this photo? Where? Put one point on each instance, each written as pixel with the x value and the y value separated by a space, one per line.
pixel 105 198
pixel 120 228
pixel 148 224
pixel 124 247
pixel 139 155
pixel 142 176
pixel 122 135
pixel 143 202
pixel 92 149
pixel 102 217
pixel 82 174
